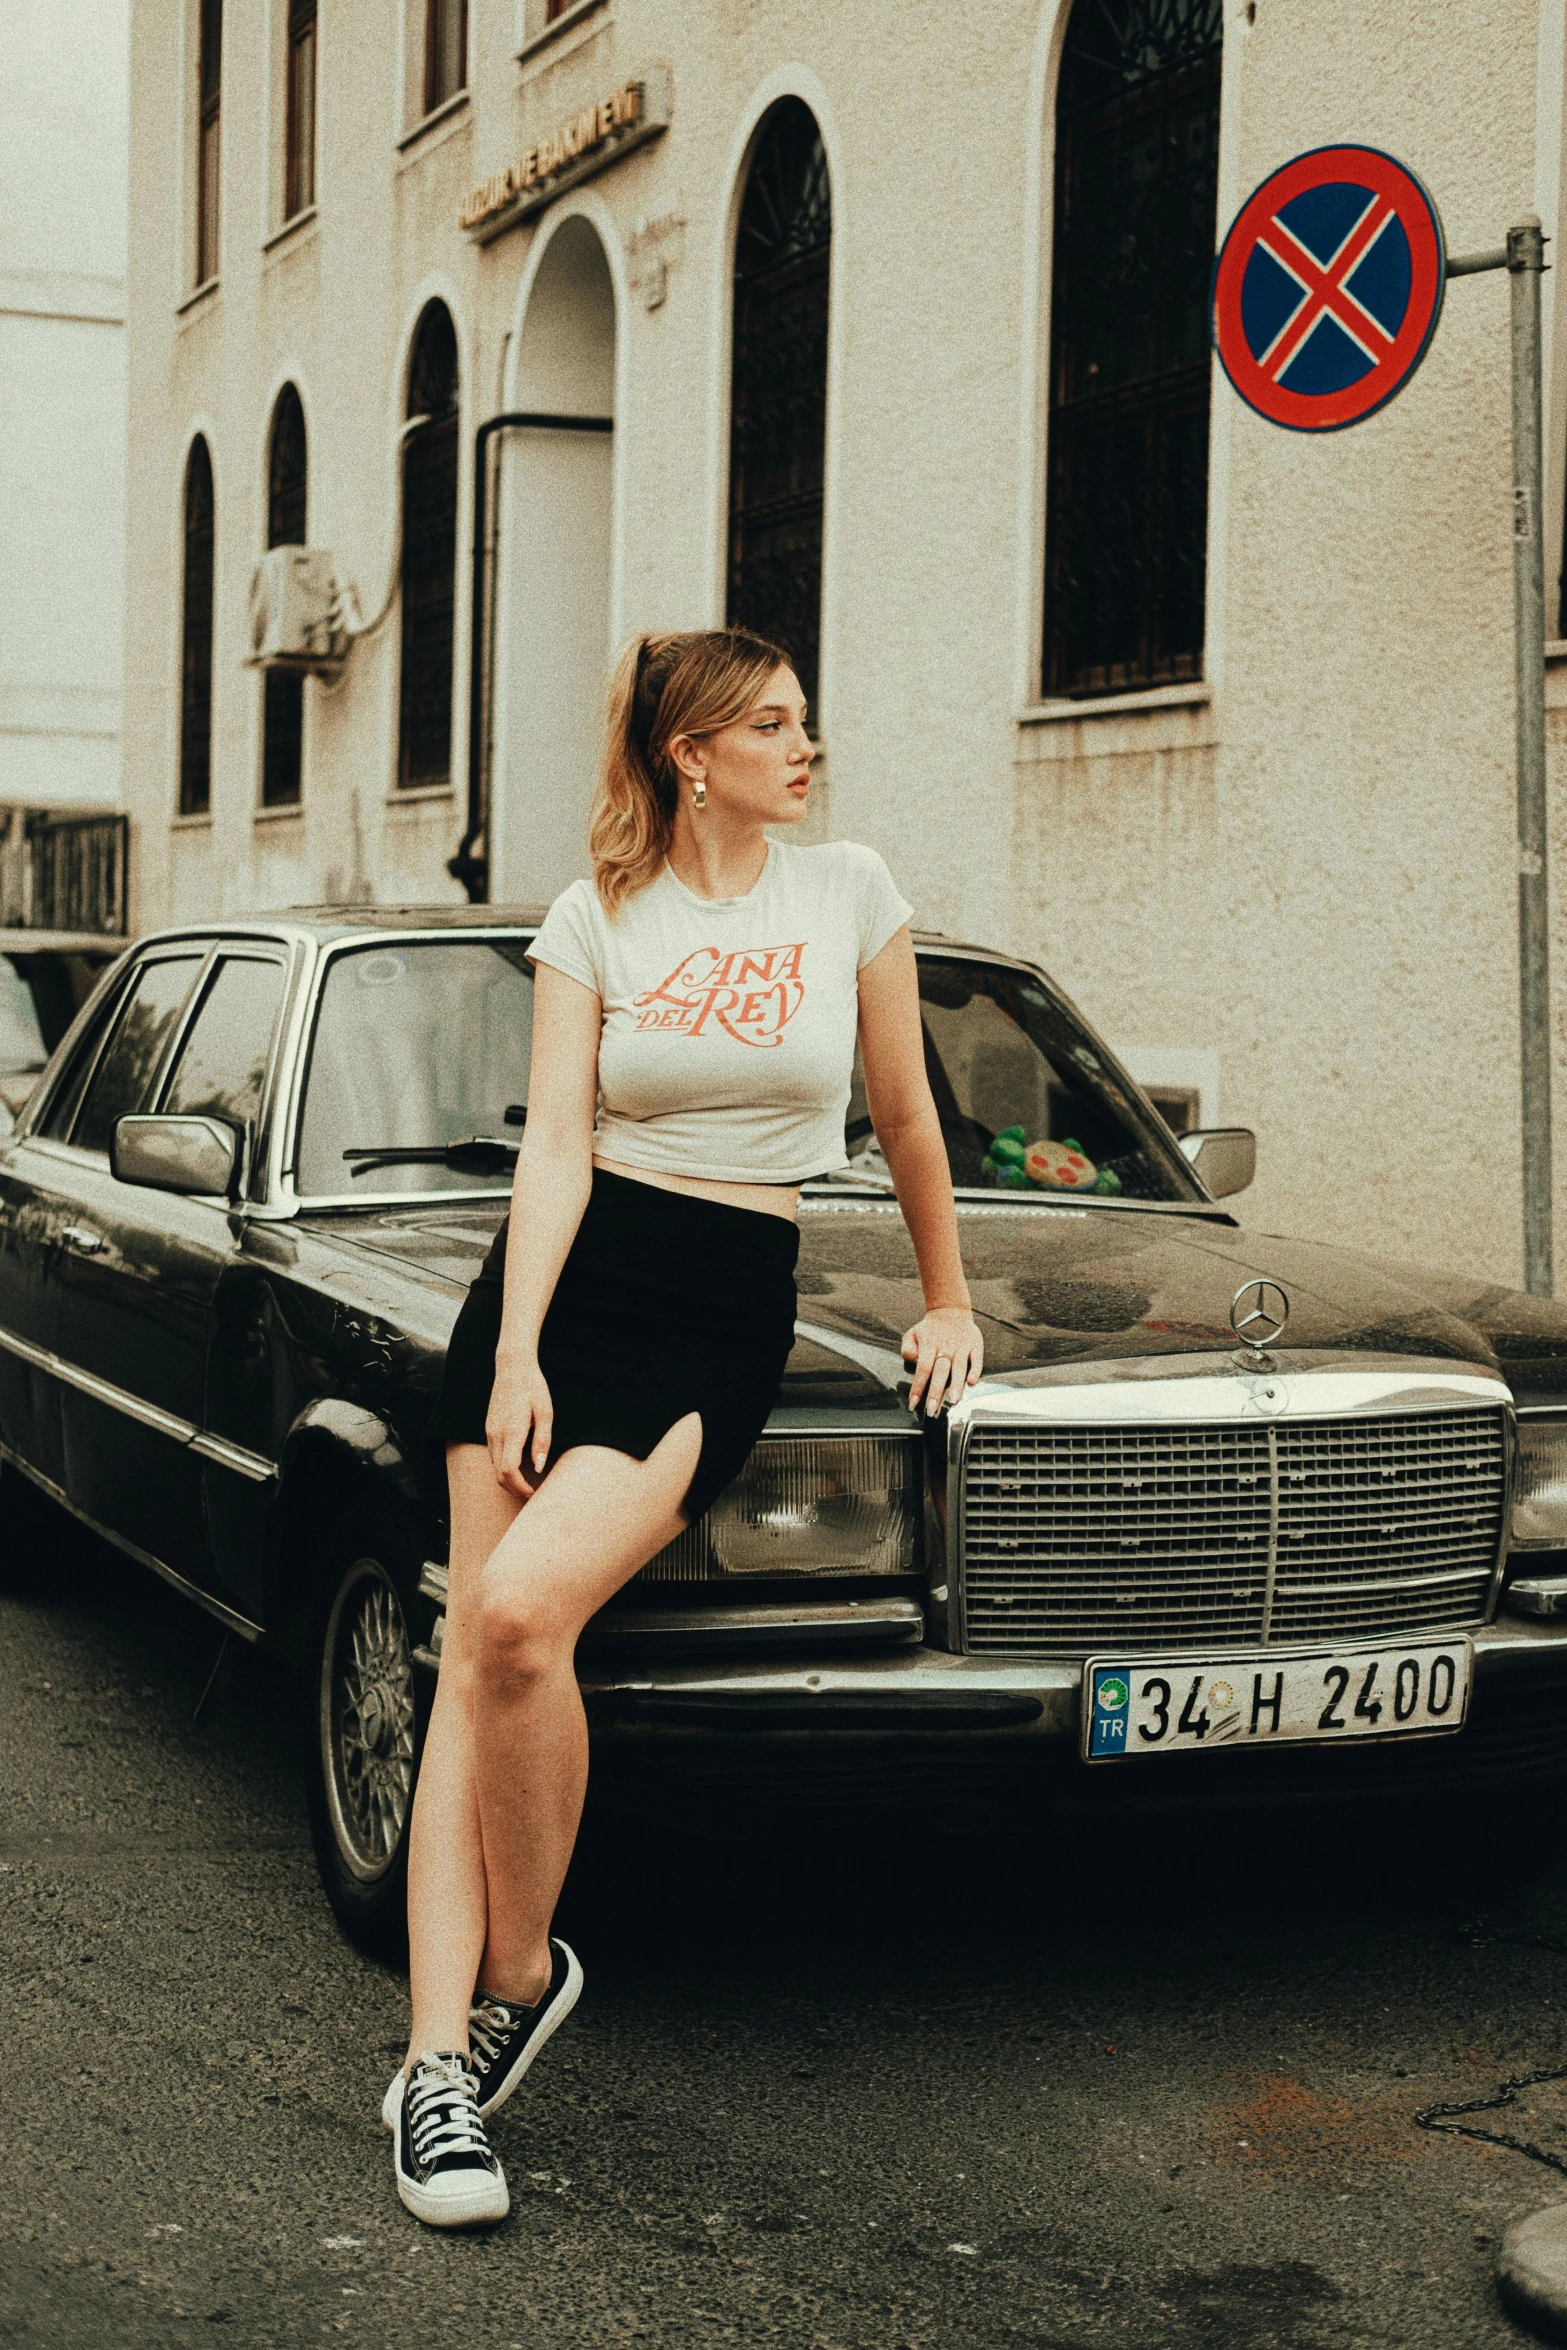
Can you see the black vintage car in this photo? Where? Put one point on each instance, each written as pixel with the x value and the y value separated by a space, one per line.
pixel 1229 1517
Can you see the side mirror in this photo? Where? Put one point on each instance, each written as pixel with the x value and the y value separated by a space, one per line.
pixel 1225 1158
pixel 177 1154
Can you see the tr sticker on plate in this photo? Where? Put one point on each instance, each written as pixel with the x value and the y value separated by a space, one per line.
pixel 1173 1705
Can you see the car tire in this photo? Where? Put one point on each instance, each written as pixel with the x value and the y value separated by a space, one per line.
pixel 364 1707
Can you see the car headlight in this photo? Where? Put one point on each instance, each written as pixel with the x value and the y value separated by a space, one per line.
pixel 821 1505
pixel 1540 1495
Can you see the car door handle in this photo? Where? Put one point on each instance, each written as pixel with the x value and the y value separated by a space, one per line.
pixel 82 1237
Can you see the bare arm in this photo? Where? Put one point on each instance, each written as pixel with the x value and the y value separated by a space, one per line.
pixel 549 1193
pixel 945 1344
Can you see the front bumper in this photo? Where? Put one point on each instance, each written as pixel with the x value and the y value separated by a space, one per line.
pixel 925 1690
pixel 922 1739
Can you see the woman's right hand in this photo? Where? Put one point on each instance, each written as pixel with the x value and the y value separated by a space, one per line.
pixel 519 1425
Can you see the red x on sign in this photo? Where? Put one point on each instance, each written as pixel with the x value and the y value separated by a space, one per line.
pixel 1324 288
pixel 1328 288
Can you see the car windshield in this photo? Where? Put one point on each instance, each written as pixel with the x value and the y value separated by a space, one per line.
pixel 1028 1102
pixel 423 1044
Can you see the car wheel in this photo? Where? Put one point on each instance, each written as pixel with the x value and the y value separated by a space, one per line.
pixel 365 1710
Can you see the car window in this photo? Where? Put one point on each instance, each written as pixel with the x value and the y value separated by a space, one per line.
pixel 222 1064
pixel 123 1079
pixel 419 1044
pixel 1007 1059
pixel 22 1048
pixel 60 1112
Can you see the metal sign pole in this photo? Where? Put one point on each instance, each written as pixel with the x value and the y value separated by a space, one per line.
pixel 1524 258
pixel 1525 261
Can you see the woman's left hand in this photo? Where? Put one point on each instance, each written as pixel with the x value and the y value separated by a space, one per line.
pixel 948 1354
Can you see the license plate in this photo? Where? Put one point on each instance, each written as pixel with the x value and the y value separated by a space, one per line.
pixel 1180 1705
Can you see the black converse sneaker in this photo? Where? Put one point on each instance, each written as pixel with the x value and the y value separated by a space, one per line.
pixel 506 2037
pixel 446 2174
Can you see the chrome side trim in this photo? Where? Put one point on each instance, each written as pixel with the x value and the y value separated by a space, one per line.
pixel 225 1614
pixel 253 1465
pixel 119 1399
pixel 212 1448
pixel 38 1356
pixel 892 1621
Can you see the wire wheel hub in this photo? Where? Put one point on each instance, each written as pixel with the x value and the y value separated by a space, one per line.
pixel 367 1720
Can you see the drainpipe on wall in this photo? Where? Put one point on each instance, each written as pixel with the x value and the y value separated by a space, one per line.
pixel 471 864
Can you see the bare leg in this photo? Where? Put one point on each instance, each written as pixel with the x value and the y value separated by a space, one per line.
pixel 447 1903
pixel 597 1517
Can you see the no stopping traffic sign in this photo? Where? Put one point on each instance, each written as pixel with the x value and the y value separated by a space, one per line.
pixel 1328 288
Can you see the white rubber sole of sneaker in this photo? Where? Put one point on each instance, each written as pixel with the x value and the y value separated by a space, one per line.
pixel 475 2200
pixel 570 1993
pixel 456 2207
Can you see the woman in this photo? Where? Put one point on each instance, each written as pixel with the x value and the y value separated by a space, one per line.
pixel 693 1039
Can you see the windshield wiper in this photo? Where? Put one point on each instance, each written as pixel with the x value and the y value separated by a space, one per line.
pixel 484 1153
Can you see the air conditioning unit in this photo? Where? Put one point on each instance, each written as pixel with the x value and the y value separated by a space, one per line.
pixel 297 621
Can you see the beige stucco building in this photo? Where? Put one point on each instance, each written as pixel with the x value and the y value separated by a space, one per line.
pixel 1269 844
pixel 64 100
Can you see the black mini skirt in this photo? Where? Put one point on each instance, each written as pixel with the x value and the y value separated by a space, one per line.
pixel 666 1305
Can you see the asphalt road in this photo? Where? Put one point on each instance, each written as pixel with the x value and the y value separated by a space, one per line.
pixel 837 2098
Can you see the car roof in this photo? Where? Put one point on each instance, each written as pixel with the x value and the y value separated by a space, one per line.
pixel 330 922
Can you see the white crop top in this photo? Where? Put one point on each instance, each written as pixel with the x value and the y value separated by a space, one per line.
pixel 729 1023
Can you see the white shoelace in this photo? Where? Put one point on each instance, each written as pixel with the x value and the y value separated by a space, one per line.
pixel 443 2113
pixel 488 2024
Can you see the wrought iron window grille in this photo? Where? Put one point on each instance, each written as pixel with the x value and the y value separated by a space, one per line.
pixel 778 406
pixel 1137 131
pixel 429 567
pixel 283 694
pixel 196 597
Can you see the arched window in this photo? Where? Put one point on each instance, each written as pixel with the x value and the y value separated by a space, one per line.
pixel 1137 144
pixel 283 709
pixel 778 395
pixel 424 728
pixel 196 636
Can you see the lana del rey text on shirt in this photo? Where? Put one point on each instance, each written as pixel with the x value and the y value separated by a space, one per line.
pixel 752 993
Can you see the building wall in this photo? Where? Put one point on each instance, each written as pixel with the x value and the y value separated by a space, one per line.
pixel 1295 882
pixel 63 138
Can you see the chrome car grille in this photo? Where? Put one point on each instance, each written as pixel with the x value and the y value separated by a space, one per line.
pixel 1165 1537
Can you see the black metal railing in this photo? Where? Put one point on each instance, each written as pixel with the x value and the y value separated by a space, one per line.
pixel 63 870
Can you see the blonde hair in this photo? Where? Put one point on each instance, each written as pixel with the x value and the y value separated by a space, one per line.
pixel 663 686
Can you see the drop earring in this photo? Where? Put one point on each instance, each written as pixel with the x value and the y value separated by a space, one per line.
pixel 699 796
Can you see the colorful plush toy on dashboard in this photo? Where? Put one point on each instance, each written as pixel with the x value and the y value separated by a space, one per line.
pixel 1059 1166
pixel 1016 1164
pixel 1004 1159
